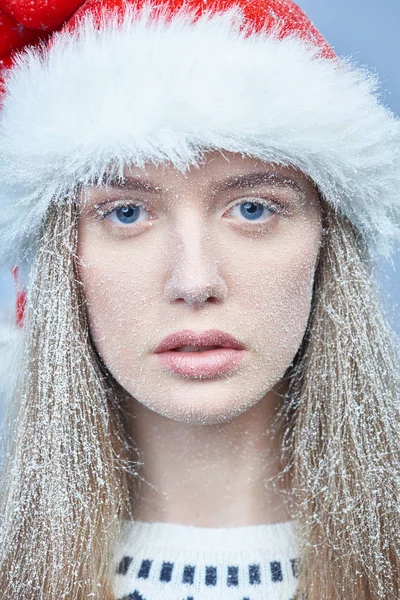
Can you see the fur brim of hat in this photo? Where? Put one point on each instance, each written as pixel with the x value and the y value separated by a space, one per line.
pixel 151 90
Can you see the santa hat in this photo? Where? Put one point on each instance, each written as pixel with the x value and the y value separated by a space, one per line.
pixel 132 82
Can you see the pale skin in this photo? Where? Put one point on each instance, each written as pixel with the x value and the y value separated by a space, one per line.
pixel 192 259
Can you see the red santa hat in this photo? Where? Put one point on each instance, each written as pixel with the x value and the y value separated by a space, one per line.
pixel 124 81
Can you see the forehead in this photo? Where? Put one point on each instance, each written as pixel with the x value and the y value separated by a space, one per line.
pixel 218 173
pixel 216 167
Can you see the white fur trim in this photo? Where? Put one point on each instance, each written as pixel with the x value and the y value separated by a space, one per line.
pixel 155 91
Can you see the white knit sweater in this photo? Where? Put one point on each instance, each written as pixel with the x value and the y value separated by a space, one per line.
pixel 164 561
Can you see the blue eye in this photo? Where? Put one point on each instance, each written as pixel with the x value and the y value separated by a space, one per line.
pixel 254 210
pixel 130 213
pixel 125 215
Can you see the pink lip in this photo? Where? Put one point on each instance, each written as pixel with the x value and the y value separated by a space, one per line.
pixel 200 364
pixel 188 337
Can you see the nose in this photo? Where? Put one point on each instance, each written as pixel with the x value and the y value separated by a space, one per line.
pixel 195 267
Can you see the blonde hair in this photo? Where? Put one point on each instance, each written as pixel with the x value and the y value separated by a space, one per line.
pixel 70 470
pixel 340 423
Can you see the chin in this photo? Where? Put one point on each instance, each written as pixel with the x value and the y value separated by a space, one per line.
pixel 206 412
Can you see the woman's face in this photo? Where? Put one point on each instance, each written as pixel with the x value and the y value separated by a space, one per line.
pixel 229 246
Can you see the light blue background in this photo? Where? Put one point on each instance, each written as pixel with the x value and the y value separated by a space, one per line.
pixel 368 31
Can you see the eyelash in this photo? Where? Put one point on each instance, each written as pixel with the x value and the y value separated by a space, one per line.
pixel 273 207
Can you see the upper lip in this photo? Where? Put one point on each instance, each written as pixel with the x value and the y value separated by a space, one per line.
pixel 188 337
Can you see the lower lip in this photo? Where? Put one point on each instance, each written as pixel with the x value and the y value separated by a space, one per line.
pixel 196 364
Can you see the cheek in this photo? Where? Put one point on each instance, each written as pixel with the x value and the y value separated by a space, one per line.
pixel 279 299
pixel 118 288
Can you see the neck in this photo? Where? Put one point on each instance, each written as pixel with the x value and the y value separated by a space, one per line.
pixel 220 475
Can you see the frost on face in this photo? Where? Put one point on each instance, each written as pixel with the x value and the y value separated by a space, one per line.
pixel 205 251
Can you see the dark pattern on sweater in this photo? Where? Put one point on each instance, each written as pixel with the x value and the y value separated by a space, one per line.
pixel 211 574
pixel 137 596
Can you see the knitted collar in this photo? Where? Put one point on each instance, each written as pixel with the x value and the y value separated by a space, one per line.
pixel 170 561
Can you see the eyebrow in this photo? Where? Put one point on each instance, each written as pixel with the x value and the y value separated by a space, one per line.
pixel 231 183
pixel 133 183
pixel 254 180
